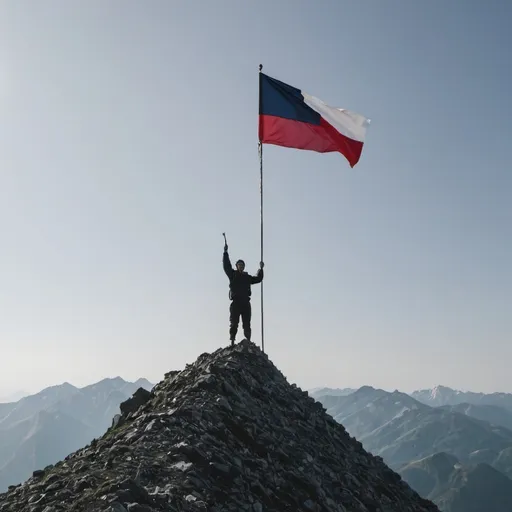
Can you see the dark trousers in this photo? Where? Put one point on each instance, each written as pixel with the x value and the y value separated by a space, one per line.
pixel 237 309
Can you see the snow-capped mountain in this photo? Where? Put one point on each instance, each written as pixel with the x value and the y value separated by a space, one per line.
pixel 442 395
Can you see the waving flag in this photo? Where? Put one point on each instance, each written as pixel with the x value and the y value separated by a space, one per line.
pixel 291 118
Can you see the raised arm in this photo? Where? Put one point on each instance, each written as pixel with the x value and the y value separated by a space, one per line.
pixel 227 264
pixel 259 275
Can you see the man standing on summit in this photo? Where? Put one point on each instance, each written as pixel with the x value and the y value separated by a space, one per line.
pixel 240 294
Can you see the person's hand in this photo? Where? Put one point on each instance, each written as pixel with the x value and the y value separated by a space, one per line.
pixel 262 264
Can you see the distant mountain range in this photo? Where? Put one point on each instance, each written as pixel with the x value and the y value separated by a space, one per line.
pixel 441 395
pixel 317 392
pixel 41 429
pixel 453 486
pixel 452 447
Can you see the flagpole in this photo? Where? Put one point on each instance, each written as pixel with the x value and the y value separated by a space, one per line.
pixel 260 147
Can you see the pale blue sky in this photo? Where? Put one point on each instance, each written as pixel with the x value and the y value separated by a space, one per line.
pixel 128 144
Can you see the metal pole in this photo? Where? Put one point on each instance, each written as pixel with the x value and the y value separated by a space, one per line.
pixel 260 147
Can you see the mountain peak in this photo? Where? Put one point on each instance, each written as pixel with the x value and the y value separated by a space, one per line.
pixel 228 432
pixel 439 389
pixel 365 388
pixel 144 383
pixel 108 381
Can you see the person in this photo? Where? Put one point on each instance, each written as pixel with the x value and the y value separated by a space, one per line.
pixel 240 294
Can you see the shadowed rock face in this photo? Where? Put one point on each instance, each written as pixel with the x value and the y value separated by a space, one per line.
pixel 228 433
pixel 140 397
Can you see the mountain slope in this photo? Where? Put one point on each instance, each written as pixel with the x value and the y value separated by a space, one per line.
pixel 503 462
pixel 458 488
pixel 227 433
pixel 41 429
pixel 430 476
pixel 401 429
pixel 368 409
pixel 31 405
pixel 50 437
pixel 95 405
pixel 417 434
pixel 409 436
pixel 493 414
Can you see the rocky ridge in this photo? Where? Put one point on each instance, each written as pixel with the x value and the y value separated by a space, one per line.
pixel 227 433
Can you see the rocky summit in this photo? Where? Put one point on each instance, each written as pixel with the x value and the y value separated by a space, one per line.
pixel 227 433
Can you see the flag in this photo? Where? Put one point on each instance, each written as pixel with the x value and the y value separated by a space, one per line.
pixel 291 118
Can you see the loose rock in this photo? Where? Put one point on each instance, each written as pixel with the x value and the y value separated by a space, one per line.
pixel 227 433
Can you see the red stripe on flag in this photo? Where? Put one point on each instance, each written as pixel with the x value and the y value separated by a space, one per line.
pixel 323 138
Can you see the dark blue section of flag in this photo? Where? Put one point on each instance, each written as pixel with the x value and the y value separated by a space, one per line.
pixel 282 100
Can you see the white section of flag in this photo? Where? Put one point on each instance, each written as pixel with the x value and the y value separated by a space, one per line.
pixel 348 123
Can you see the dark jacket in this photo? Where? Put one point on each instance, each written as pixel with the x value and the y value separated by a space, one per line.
pixel 240 282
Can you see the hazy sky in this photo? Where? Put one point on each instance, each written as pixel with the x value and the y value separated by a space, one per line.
pixel 128 144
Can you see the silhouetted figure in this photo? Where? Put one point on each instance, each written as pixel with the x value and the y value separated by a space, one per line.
pixel 240 294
